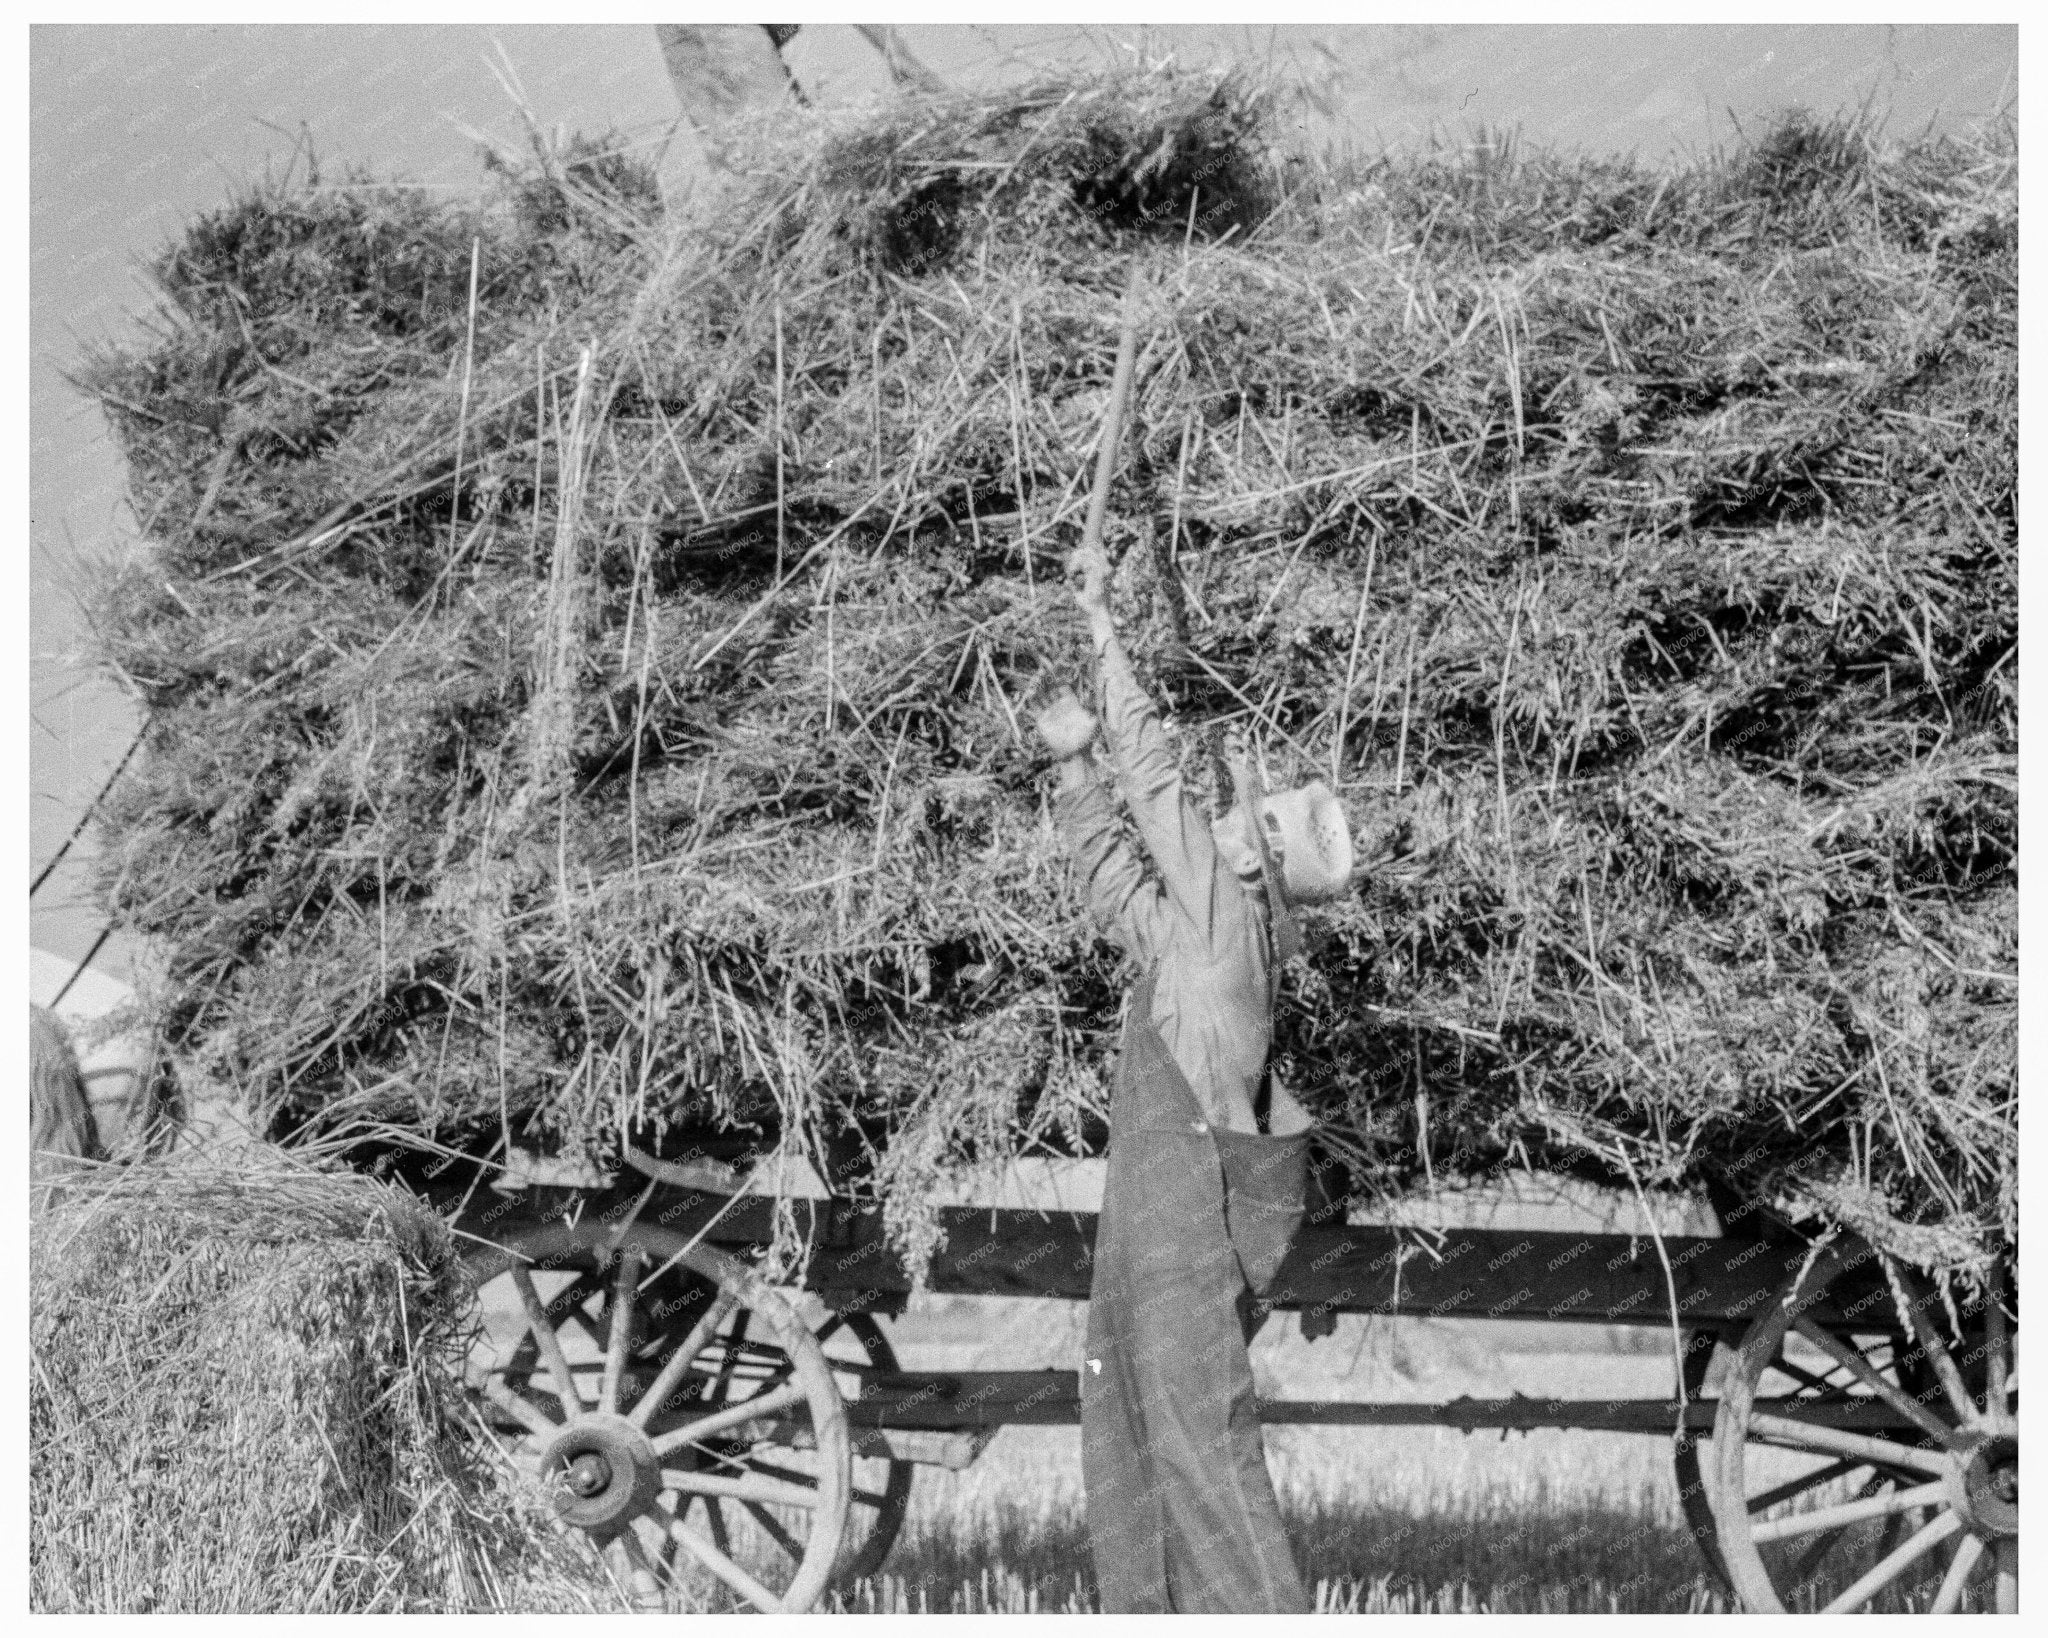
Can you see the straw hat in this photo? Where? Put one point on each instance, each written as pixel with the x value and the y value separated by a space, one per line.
pixel 1307 827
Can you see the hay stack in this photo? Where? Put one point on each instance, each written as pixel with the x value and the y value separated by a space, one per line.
pixel 598 708
pixel 239 1399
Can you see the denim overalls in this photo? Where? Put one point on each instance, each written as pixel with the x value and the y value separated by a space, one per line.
pixel 1194 1224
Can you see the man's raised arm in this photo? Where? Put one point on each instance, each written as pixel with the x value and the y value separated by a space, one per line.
pixel 1126 904
pixel 1148 773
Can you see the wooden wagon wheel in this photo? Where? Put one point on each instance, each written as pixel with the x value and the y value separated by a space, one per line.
pixel 1689 1453
pixel 684 1417
pixel 1869 1467
pixel 668 1303
pixel 857 1349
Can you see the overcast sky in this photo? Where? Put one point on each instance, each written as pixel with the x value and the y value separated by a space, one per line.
pixel 132 130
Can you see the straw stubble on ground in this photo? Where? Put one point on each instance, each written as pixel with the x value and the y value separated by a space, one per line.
pixel 1382 1519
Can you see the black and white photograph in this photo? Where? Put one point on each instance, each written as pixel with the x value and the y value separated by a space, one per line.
pixel 1023 817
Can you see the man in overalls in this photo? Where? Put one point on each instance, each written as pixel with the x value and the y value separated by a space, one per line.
pixel 1207 1154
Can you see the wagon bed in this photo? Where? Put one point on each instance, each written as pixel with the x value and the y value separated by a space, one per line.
pixel 1823 1351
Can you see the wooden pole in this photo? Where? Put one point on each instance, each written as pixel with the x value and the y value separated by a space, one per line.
pixel 1113 421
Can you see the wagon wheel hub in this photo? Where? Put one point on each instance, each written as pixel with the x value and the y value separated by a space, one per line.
pixel 1984 1486
pixel 605 1470
pixel 589 1474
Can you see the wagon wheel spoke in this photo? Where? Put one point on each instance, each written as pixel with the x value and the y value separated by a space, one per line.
pixel 563 1303
pixel 620 1341
pixel 732 1415
pixel 678 1365
pixel 584 1284
pixel 714 1514
pixel 593 1330
pixel 1898 1525
pixel 1817 1551
pixel 1811 1436
pixel 529 1415
pixel 722 1566
pixel 742 1351
pixel 755 1463
pixel 1846 1513
pixel 729 1352
pixel 1912 1300
pixel 517 1362
pixel 748 1361
pixel 670 1555
pixel 570 1300
pixel 652 1529
pixel 868 1498
pixel 1810 1560
pixel 1806 1481
pixel 1950 1598
pixel 1890 1392
pixel 640 1579
pixel 1998 1346
pixel 734 1454
pixel 714 1519
pixel 752 1486
pixel 545 1339
pixel 781 1537
pixel 781 1373
pixel 1821 1387
pixel 1894 1564
pixel 2006 1595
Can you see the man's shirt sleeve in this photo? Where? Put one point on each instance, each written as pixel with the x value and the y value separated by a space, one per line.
pixel 1124 901
pixel 1176 836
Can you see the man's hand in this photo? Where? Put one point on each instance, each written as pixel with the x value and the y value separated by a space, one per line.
pixel 1088 572
pixel 1066 725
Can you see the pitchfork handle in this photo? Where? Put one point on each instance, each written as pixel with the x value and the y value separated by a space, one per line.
pixel 1113 423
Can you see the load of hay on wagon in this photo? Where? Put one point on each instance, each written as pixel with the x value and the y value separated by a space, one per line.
pixel 592 705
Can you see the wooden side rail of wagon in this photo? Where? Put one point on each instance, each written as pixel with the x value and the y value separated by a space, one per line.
pixel 956 1401
pixel 1465 1273
pixel 660 1374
